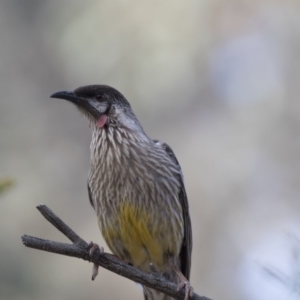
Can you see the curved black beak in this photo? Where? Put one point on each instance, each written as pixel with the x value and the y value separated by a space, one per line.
pixel 81 103
pixel 66 95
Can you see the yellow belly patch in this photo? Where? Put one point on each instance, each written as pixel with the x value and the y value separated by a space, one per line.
pixel 132 232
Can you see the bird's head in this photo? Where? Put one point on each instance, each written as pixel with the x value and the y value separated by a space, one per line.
pixel 103 105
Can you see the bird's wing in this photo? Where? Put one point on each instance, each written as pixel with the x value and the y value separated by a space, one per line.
pixel 186 249
pixel 90 195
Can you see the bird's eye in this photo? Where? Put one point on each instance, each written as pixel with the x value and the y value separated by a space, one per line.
pixel 100 97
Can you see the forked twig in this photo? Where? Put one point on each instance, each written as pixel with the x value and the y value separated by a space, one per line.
pixel 79 249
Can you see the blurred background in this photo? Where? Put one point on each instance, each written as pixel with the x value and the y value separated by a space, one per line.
pixel 217 80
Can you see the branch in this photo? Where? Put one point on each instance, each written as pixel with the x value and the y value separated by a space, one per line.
pixel 79 249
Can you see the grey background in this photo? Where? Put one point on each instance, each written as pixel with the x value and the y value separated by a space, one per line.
pixel 217 80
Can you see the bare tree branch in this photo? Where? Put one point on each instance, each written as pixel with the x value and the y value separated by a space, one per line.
pixel 79 249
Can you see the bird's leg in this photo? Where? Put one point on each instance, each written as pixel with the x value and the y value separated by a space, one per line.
pixel 189 291
pixel 92 247
pixel 153 269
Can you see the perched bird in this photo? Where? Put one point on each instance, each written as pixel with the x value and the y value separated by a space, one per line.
pixel 135 185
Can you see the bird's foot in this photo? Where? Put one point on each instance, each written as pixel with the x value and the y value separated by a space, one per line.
pixel 184 283
pixel 189 291
pixel 92 247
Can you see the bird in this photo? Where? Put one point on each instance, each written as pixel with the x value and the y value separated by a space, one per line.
pixel 136 187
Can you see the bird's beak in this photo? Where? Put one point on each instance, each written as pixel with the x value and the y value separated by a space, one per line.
pixel 67 95
pixel 81 103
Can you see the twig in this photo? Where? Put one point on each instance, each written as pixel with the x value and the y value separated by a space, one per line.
pixel 79 249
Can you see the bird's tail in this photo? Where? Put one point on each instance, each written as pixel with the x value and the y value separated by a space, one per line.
pixel 150 294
